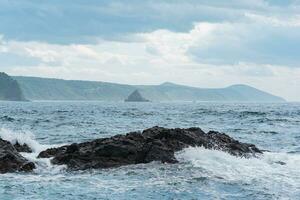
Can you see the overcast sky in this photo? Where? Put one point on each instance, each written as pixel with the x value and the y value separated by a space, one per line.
pixel 201 43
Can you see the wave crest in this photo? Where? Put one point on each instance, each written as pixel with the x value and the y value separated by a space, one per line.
pixel 22 138
pixel 26 137
pixel 272 170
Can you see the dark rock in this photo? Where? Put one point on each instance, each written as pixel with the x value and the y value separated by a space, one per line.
pixel 136 97
pixel 11 160
pixel 51 152
pixel 22 147
pixel 154 144
pixel 28 167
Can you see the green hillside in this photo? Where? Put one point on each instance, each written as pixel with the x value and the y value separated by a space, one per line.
pixel 58 89
pixel 10 89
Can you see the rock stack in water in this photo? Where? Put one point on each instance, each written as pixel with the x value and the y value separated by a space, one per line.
pixel 136 97
pixel 154 144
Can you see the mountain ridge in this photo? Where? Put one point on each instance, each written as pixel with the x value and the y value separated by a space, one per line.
pixel 37 88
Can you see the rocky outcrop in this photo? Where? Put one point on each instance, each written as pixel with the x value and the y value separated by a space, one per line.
pixel 154 144
pixel 136 97
pixel 11 160
pixel 22 147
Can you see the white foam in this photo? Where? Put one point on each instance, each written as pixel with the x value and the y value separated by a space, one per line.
pixel 43 165
pixel 26 137
pixel 273 170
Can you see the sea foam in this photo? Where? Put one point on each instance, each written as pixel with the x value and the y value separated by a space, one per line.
pixel 26 137
pixel 274 170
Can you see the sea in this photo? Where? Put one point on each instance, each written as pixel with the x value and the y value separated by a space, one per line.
pixel 200 173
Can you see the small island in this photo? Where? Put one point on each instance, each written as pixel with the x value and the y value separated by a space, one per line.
pixel 136 97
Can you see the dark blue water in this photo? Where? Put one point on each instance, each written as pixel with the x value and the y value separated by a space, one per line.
pixel 201 174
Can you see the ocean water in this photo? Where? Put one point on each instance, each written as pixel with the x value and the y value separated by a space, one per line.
pixel 200 174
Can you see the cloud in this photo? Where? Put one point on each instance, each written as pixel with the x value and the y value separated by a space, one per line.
pixel 195 42
pixel 234 43
pixel 133 63
pixel 260 39
pixel 77 21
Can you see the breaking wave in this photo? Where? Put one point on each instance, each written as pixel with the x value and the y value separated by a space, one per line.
pixel 275 171
pixel 26 137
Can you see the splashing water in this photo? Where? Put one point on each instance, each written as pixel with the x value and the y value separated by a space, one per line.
pixel 42 164
pixel 200 174
pixel 22 138
pixel 276 171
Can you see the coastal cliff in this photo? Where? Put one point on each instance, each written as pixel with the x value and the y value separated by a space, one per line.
pixel 10 89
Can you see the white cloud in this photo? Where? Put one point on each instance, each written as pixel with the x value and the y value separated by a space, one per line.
pixel 172 46
pixel 287 21
pixel 208 55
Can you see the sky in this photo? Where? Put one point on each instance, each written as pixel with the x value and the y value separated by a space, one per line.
pixel 200 43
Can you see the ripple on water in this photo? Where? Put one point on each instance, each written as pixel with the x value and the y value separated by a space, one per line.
pixel 201 174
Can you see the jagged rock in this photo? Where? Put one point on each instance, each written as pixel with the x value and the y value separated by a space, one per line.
pixel 154 144
pixel 136 97
pixel 22 147
pixel 11 160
